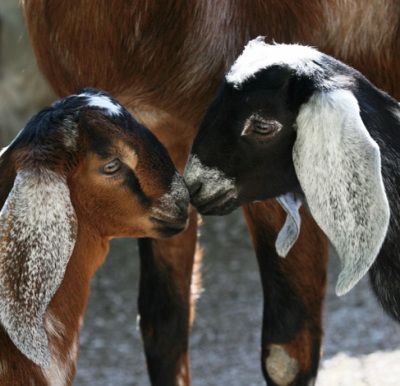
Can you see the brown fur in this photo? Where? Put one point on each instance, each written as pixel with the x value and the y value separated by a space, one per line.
pixel 307 274
pixel 164 60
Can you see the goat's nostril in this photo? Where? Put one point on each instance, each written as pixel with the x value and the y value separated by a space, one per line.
pixel 195 188
pixel 182 206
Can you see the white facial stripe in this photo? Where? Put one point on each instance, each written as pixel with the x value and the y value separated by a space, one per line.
pixel 37 237
pixel 214 180
pixel 258 55
pixel 103 102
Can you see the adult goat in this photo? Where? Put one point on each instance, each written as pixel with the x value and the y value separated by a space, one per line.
pixel 81 172
pixel 164 61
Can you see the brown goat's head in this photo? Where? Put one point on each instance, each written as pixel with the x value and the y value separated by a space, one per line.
pixel 83 159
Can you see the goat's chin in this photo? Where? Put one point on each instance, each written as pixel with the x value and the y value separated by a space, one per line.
pixel 220 208
pixel 165 228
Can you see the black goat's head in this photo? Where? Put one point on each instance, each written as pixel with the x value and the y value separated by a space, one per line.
pixel 286 124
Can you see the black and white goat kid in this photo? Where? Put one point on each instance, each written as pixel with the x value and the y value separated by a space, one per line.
pixel 293 123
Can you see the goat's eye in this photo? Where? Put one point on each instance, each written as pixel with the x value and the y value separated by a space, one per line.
pixel 265 128
pixel 112 167
pixel 261 128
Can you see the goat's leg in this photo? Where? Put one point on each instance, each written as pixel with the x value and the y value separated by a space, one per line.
pixel 294 289
pixel 168 287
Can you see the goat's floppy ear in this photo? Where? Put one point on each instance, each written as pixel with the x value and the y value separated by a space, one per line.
pixel 338 165
pixel 37 236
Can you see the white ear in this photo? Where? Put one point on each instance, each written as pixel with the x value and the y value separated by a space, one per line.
pixel 338 165
pixel 291 228
pixel 37 237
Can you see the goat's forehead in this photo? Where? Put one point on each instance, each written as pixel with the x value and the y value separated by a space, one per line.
pixel 258 55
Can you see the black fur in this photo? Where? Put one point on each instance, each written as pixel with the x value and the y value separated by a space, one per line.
pixel 163 317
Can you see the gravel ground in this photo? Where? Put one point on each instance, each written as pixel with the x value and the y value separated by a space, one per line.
pixel 361 348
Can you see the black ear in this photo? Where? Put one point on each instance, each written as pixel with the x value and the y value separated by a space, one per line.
pixel 37 235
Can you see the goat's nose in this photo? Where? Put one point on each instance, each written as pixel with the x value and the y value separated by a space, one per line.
pixel 195 187
pixel 182 206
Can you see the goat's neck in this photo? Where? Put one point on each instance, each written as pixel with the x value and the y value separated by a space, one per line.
pixel 66 311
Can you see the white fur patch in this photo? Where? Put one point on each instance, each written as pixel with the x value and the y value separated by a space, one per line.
pixel 37 237
pixel 290 231
pixel 214 181
pixel 258 55
pixel 280 366
pixel 103 102
pixel 338 165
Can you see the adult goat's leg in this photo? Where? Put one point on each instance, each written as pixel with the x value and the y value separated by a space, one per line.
pixel 294 289
pixel 168 287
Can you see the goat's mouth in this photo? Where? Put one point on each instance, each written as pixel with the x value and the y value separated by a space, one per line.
pixel 218 205
pixel 168 226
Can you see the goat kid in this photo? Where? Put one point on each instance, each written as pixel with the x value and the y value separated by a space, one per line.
pixel 81 172
pixel 293 123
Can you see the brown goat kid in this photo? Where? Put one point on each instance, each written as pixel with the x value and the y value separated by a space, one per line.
pixel 164 61
pixel 81 172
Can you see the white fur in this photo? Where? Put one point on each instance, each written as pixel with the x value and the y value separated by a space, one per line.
pixel 280 366
pixel 37 237
pixel 54 327
pixel 258 55
pixel 290 231
pixel 60 370
pixel 339 168
pixel 103 102
pixel 177 193
pixel 70 133
pixel 57 373
pixel 214 180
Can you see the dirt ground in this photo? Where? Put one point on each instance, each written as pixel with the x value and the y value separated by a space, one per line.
pixel 361 348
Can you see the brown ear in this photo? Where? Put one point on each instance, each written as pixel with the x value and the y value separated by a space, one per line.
pixel 37 236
